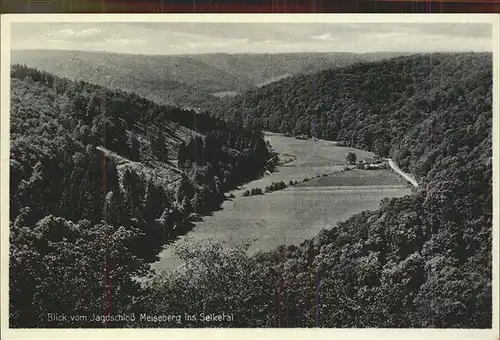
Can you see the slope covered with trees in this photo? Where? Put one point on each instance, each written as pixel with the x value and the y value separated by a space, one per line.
pixel 423 260
pixel 372 106
pixel 99 181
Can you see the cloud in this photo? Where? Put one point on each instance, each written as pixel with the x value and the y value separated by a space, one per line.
pixel 64 32
pixel 91 32
pixel 322 37
pixel 123 41
pixel 188 38
pixel 70 34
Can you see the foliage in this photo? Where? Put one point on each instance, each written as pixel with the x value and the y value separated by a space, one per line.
pixel 57 266
pixel 90 165
pixel 256 191
pixel 351 158
pixel 379 106
pixel 275 186
pixel 423 260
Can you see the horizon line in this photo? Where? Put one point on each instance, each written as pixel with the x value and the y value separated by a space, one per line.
pixel 247 53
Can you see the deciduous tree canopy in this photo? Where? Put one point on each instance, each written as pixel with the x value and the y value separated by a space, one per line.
pixel 92 172
pixel 423 260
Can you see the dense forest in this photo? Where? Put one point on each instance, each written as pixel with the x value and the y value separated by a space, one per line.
pixel 99 181
pixel 423 260
pixel 93 196
pixel 183 80
pixel 372 106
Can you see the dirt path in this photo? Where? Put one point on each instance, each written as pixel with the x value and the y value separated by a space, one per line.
pixel 406 176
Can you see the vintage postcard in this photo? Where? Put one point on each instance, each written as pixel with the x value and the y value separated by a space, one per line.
pixel 249 176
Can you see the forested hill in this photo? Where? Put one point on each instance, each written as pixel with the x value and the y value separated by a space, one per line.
pixel 183 80
pixel 380 106
pixel 423 260
pixel 89 165
pixel 163 81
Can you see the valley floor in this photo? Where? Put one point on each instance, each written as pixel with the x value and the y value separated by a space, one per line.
pixel 298 212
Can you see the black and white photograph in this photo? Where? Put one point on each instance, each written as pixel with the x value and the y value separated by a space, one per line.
pixel 250 173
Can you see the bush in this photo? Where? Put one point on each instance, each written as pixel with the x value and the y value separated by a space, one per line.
pixel 246 193
pixel 351 158
pixel 256 191
pixel 277 186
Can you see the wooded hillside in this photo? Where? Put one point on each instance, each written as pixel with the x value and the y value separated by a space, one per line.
pixel 374 106
pixel 423 260
pixel 82 225
pixel 95 171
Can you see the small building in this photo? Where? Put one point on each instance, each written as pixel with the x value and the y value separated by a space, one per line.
pixel 370 163
pixel 375 166
pixel 373 160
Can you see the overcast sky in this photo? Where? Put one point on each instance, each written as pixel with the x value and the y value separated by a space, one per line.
pixel 187 38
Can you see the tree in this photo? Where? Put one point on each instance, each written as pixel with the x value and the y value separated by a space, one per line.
pixel 382 149
pixel 351 158
pixel 95 216
pixel 111 213
pixel 146 154
pixel 186 206
pixel 185 189
pixel 182 155
pixel 154 202
pixel 134 147
pixel 159 147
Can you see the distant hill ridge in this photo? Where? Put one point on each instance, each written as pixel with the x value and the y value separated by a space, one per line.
pixel 183 80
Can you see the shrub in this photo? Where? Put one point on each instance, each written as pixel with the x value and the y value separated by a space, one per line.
pixel 351 158
pixel 277 186
pixel 256 191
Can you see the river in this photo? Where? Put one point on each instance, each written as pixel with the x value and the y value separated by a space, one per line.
pixel 296 213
